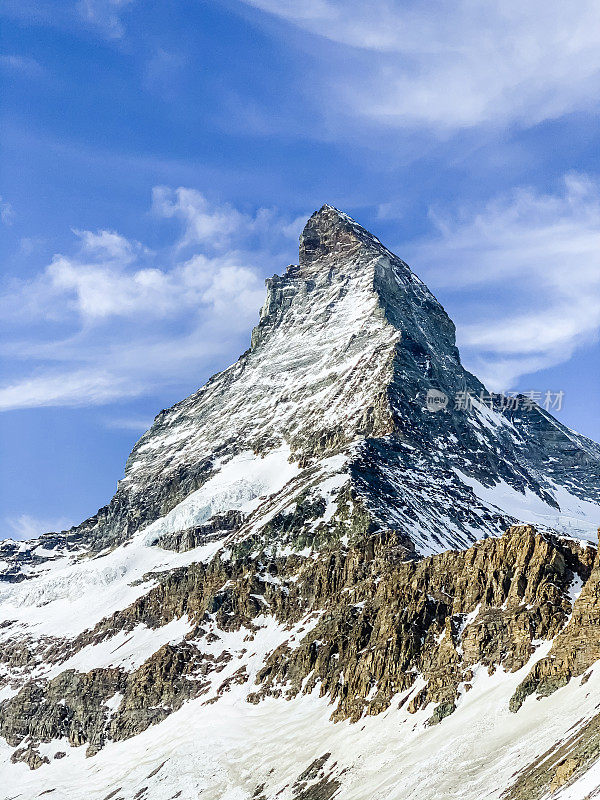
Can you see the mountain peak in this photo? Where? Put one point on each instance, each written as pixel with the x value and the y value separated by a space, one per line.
pixel 329 231
pixel 288 503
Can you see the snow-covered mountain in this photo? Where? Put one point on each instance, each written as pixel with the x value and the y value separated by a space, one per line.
pixel 307 529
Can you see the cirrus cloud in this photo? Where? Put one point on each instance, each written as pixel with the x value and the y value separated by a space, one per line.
pixel 545 247
pixel 450 65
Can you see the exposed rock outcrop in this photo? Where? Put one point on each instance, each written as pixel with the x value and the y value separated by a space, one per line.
pixel 384 627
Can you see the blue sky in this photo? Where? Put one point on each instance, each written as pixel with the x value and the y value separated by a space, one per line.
pixel 159 160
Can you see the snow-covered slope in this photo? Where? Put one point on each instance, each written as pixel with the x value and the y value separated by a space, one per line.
pixel 267 542
pixel 238 747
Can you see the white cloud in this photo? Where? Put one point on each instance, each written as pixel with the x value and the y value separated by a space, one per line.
pixel 109 245
pixel 69 388
pixel 22 65
pixel 108 287
pixel 114 320
pixel 204 223
pixel 105 15
pixel 100 290
pixel 450 65
pixel 217 226
pixel 26 526
pixel 136 424
pixel 546 249
pixel 118 321
pixel 7 213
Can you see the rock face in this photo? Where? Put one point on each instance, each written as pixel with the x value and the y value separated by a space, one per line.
pixel 334 390
pixel 437 618
pixel 363 627
pixel 305 526
pixel 574 650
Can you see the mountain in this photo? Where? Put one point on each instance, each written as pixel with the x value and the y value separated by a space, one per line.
pixel 344 523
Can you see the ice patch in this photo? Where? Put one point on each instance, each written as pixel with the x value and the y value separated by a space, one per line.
pixel 240 484
pixel 73 595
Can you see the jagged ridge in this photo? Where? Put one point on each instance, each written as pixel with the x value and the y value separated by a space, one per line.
pixel 365 626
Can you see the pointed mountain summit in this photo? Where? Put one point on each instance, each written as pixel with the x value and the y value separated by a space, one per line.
pixel 330 232
pixel 323 431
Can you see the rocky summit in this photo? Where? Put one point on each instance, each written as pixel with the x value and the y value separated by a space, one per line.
pixel 341 569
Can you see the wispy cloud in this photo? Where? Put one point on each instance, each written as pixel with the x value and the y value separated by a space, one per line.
pixel 105 15
pixel 136 424
pixel 26 526
pixel 23 65
pixel 164 72
pixel 451 65
pixel 546 249
pixel 7 213
pixel 114 320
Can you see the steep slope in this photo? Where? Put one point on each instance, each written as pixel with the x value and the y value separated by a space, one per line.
pixel 330 403
pixel 304 552
pixel 347 347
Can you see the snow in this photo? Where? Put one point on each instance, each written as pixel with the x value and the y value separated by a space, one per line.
pixel 224 750
pixel 74 592
pixel 576 517
pixel 330 488
pixel 239 484
pixel 575 588
pixel 468 619
pixel 307 376
pixel 491 419
pixel 126 649
pixel 74 595
pixel 114 702
pixel 323 478
pixel 319 368
pixel 49 749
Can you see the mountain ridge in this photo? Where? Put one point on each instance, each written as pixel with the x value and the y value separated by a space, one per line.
pixel 340 364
